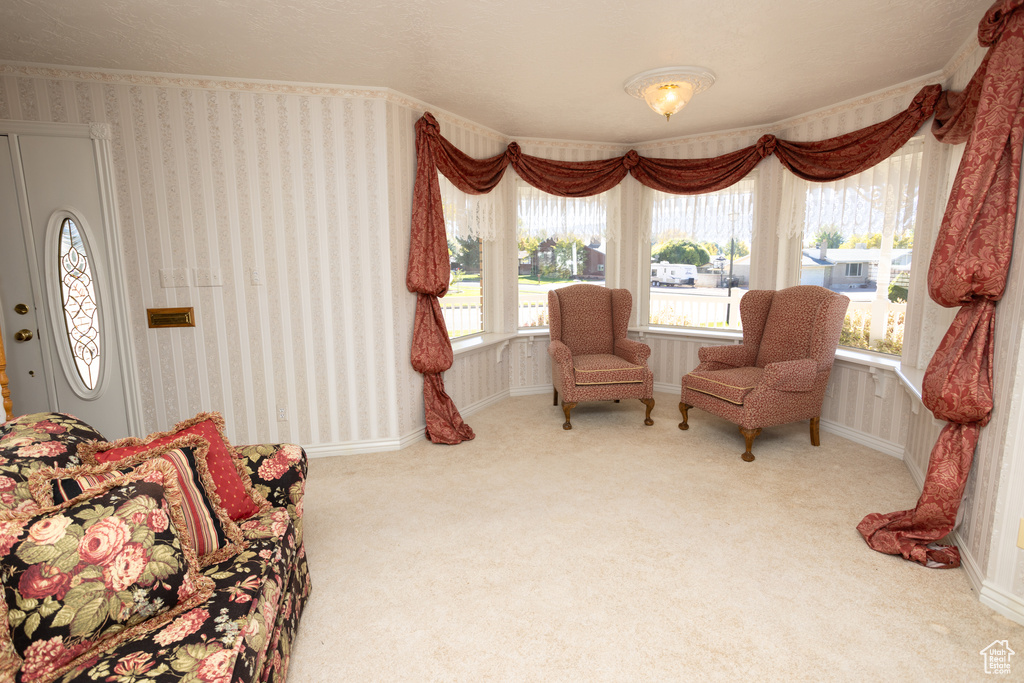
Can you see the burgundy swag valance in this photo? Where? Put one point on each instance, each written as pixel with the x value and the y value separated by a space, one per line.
pixel 821 161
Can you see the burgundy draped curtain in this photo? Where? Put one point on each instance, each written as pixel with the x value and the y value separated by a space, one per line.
pixel 428 270
pixel 968 269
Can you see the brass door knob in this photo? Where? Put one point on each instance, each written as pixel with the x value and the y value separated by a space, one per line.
pixel 22 335
pixel 20 309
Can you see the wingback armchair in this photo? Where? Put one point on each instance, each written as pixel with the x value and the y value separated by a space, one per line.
pixel 591 358
pixel 780 371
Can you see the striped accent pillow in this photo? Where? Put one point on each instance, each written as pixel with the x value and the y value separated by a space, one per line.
pixel 212 532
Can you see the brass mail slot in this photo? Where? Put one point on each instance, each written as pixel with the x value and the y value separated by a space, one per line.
pixel 171 317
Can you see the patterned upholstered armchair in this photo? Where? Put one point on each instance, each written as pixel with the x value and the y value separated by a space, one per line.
pixel 780 371
pixel 591 358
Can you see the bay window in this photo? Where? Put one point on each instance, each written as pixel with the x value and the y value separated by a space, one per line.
pixel 858 239
pixel 700 255
pixel 470 222
pixel 560 241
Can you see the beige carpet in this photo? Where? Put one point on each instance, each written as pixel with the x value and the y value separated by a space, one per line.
pixel 618 552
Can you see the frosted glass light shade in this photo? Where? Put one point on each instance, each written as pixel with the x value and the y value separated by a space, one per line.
pixel 669 98
pixel 668 90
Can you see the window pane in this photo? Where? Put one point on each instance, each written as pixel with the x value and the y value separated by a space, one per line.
pixel 858 240
pixel 467 218
pixel 700 256
pixel 561 241
pixel 78 299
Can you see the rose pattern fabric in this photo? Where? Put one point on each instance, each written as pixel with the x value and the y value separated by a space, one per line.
pixel 968 268
pixel 99 575
pixel 31 442
pixel 258 597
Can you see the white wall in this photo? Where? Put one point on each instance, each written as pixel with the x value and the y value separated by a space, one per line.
pixel 291 182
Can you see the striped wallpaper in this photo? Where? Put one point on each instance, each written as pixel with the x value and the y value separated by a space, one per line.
pixel 300 197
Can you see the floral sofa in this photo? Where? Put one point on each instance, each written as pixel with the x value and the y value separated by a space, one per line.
pixel 242 632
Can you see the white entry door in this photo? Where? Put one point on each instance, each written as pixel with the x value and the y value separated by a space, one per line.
pixel 63 351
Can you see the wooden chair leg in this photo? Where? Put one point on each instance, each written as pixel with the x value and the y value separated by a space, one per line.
pixel 682 409
pixel 556 398
pixel 567 408
pixel 649 402
pixel 814 431
pixel 749 435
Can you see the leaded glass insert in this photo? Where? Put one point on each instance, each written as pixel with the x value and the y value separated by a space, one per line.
pixel 78 299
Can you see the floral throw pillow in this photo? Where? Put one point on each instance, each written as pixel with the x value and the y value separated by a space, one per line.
pixel 234 487
pixel 82 577
pixel 213 533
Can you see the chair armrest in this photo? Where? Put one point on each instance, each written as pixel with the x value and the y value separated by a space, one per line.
pixel 560 353
pixel 732 355
pixel 791 375
pixel 635 352
pixel 278 473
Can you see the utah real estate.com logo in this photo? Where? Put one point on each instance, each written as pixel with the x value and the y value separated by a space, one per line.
pixel 997 657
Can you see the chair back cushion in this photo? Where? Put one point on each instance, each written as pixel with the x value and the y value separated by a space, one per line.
pixel 794 319
pixel 584 318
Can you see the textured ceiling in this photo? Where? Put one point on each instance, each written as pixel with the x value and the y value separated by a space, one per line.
pixel 526 68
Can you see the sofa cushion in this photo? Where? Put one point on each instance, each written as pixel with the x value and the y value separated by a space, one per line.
pixel 731 384
pixel 605 368
pixel 213 533
pixel 239 633
pixel 30 442
pixel 233 485
pixel 81 577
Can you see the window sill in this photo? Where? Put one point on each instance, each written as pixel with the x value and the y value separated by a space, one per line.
pixel 691 332
pixel 478 342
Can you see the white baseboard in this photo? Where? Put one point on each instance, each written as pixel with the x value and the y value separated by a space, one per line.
pixel 327 450
pixel 483 403
pixel 531 391
pixel 882 445
pixel 667 387
pixel 1007 604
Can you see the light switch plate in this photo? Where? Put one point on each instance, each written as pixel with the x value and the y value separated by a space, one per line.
pixel 206 277
pixel 173 277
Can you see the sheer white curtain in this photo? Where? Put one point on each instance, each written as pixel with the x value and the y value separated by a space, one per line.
pixel 591 219
pixel 882 199
pixel 469 215
pixel 878 208
pixel 713 217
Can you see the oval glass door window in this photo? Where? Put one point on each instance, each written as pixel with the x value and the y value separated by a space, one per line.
pixel 78 299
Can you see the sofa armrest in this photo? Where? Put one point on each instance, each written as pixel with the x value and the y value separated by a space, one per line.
pixel 791 375
pixel 635 352
pixel 731 355
pixel 278 472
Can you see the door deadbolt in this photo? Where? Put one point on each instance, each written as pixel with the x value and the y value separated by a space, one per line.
pixel 22 335
pixel 20 309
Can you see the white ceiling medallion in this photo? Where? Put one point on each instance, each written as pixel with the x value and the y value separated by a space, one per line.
pixel 668 90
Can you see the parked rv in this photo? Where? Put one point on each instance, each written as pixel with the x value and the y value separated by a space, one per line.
pixel 667 274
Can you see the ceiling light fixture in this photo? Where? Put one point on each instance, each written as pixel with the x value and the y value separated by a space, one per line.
pixel 668 90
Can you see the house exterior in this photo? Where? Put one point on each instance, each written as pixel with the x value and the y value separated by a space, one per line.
pixel 850 268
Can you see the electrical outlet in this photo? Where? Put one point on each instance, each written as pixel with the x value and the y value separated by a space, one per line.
pixel 1020 535
pixel 282 415
pixel 254 278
